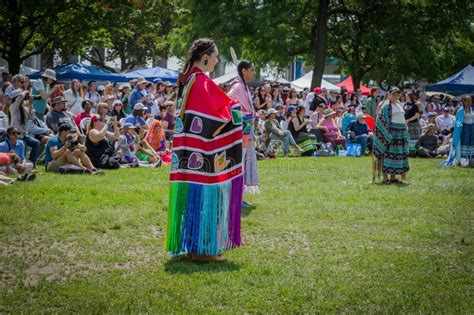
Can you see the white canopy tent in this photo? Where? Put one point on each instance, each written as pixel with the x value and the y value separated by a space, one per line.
pixel 271 78
pixel 305 82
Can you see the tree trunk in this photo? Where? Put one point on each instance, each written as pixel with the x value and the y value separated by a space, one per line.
pixel 356 78
pixel 320 43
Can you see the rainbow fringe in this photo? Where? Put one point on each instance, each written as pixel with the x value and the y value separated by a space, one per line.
pixel 204 219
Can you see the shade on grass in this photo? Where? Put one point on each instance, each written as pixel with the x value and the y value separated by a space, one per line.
pixel 321 239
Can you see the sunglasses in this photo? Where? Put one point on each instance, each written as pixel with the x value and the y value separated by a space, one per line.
pixel 15 133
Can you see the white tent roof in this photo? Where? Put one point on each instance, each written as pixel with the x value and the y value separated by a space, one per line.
pixel 305 82
pixel 271 78
pixel 226 77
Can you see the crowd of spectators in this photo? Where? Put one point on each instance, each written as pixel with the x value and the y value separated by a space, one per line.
pixel 92 126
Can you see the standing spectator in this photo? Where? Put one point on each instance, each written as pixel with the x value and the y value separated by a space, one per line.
pixel 168 90
pixel 276 98
pixel 13 143
pixel 17 83
pixel 124 96
pixel 109 100
pixel 74 97
pixel 262 99
pixel 139 94
pixel 20 112
pixel 445 122
pixel 63 149
pixel 354 100
pixel 92 93
pixel 412 116
pixel 359 132
pixel 435 105
pixel 371 104
pixel 58 115
pixel 41 92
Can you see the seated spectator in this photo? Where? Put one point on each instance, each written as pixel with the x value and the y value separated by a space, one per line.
pixel 280 114
pixel 348 117
pixel 445 146
pixel 20 112
pixel 102 111
pixel 298 126
pixel 58 115
pixel 339 117
pixel 38 129
pixel 359 132
pixel 86 113
pixel 427 144
pixel 145 152
pixel 127 144
pixel 369 120
pixel 136 118
pixel 155 136
pixel 445 121
pixel 109 100
pixel 275 132
pixel 168 120
pixel 117 110
pixel 317 116
pixel 10 164
pixel 332 134
pixel 14 144
pixel 64 148
pixel 100 143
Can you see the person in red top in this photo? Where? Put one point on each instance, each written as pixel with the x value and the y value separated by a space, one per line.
pixel 87 108
pixel 206 182
pixel 369 120
pixel 7 161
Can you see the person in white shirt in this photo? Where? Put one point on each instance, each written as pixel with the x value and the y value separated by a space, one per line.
pixel 74 97
pixel 445 122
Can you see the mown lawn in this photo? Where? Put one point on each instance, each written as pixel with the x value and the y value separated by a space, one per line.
pixel 322 239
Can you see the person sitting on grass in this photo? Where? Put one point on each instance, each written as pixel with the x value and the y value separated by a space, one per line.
pixel 100 142
pixel 14 144
pixel 332 134
pixel 127 144
pixel 145 152
pixel 10 164
pixel 64 148
pixel 155 136
pixel 359 132
pixel 275 132
pixel 58 115
pixel 427 144
pixel 136 118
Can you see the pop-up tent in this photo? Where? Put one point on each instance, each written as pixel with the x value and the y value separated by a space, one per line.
pixel 305 82
pixel 151 74
pixel 347 83
pixel 226 78
pixel 459 83
pixel 82 72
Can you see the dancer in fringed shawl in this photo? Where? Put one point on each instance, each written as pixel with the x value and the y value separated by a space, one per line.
pixel 240 92
pixel 206 182
pixel 462 147
pixel 391 140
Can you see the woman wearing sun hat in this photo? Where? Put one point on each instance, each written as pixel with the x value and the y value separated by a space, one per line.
pixel 331 132
pixel 391 139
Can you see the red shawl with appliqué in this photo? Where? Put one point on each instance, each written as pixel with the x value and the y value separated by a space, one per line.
pixel 207 144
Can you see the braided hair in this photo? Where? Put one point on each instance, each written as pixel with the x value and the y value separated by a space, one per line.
pixel 199 48
pixel 244 64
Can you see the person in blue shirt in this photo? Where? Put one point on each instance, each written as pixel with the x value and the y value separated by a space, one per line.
pixel 136 118
pixel 348 118
pixel 358 132
pixel 13 143
pixel 61 150
pixel 140 94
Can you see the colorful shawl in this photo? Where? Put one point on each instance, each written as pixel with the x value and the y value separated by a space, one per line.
pixel 205 195
pixel 382 137
pixel 455 152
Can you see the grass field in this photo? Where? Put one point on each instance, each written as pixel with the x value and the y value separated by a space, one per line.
pixel 322 239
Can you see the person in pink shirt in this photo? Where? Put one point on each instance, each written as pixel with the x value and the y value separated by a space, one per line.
pixel 331 133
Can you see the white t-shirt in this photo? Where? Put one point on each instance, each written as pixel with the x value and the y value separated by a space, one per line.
pixel 307 103
pixel 74 102
pixel 445 123
pixel 398 114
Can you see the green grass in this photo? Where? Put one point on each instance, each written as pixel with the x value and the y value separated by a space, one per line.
pixel 322 239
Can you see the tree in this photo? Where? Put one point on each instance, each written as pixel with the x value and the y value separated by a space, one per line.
pixel 30 27
pixel 136 33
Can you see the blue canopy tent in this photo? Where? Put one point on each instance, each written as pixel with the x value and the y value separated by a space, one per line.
pixel 82 72
pixel 151 74
pixel 459 83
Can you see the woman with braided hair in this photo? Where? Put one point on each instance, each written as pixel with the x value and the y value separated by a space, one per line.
pixel 206 182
